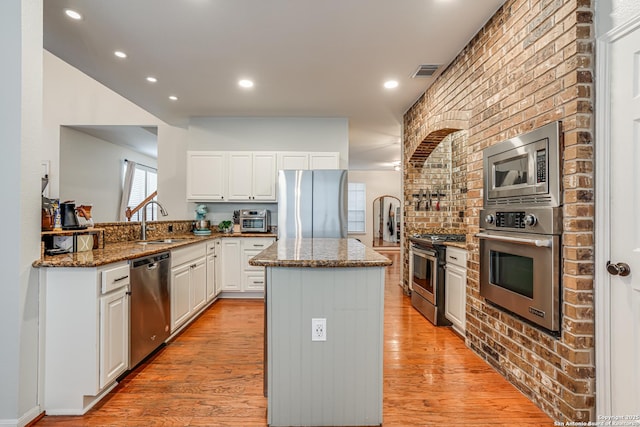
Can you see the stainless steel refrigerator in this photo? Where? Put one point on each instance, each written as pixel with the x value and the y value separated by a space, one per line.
pixel 312 203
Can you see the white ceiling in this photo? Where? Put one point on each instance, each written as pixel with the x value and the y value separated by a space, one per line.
pixel 326 58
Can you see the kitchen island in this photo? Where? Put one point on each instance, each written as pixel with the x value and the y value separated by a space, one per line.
pixel 324 302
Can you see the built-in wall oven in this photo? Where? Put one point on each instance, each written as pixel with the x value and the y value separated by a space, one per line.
pixel 520 262
pixel 426 274
pixel 521 227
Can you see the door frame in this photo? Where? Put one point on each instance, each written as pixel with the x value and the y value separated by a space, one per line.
pixel 602 280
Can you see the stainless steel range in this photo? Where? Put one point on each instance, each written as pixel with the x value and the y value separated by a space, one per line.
pixel 426 271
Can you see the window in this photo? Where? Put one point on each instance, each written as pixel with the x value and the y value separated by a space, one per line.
pixel 145 182
pixel 357 197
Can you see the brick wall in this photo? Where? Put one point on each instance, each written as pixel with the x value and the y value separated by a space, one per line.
pixel 530 65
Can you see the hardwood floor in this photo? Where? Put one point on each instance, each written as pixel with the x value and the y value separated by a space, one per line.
pixel 211 375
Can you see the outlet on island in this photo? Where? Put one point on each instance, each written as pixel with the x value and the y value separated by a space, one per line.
pixel 319 329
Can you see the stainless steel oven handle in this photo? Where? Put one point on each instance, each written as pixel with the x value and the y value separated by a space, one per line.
pixel 541 243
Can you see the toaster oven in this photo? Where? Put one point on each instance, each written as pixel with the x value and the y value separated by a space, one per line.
pixel 255 221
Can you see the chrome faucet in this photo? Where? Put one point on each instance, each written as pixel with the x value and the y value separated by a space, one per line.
pixel 143 223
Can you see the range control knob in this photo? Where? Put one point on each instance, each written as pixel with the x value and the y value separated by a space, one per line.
pixel 490 219
pixel 530 220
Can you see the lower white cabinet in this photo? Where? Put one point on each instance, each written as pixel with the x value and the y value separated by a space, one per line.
pixel 230 269
pixel 188 283
pixel 86 334
pixel 455 287
pixel 236 273
pixel 213 267
pixel 114 335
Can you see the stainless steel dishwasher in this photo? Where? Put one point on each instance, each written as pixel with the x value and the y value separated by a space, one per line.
pixel 150 313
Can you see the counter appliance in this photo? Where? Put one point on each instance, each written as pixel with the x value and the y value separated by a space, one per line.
pixel 255 221
pixel 312 203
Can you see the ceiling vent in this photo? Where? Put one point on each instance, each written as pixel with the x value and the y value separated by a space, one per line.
pixel 425 71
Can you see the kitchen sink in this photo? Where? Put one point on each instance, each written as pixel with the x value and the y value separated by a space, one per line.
pixel 160 241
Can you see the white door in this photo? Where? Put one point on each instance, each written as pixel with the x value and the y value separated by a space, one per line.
pixel 180 297
pixel 231 268
pixel 114 335
pixel 206 175
pixel 622 369
pixel 240 175
pixel 198 284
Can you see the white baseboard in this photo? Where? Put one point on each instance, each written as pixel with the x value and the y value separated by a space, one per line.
pixel 25 419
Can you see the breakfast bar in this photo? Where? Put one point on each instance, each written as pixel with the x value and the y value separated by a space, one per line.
pixel 324 302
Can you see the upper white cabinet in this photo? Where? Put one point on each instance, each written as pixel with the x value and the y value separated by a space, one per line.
pixel 242 176
pixel 252 176
pixel 206 175
pixel 293 160
pixel 324 160
pixel 304 160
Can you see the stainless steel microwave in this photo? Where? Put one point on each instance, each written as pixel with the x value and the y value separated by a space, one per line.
pixel 524 170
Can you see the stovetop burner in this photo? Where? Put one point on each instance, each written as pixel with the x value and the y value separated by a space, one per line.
pixel 438 238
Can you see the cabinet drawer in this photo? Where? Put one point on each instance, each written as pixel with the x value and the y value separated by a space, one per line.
pixel 188 253
pixel 457 256
pixel 115 277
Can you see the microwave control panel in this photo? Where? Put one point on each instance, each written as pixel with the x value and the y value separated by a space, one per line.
pixel 541 166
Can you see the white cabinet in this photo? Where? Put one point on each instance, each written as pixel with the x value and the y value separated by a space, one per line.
pixel 252 276
pixel 455 287
pixel 328 160
pixel 213 288
pixel 293 160
pixel 231 264
pixel 236 273
pixel 188 283
pixel 252 176
pixel 206 175
pixel 114 335
pixel 86 339
pixel 305 160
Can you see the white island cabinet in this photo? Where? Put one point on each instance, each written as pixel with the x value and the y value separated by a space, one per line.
pixel 239 278
pixel 86 344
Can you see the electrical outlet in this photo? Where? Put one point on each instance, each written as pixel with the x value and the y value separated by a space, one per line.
pixel 318 329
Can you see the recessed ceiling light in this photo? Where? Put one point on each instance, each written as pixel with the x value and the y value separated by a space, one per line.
pixel 173 97
pixel 391 84
pixel 73 14
pixel 151 79
pixel 245 83
pixel 120 54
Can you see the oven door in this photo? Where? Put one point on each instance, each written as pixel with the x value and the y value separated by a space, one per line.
pixel 423 271
pixel 521 272
pixel 253 224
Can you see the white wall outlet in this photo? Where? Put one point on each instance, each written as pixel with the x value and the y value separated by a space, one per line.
pixel 318 329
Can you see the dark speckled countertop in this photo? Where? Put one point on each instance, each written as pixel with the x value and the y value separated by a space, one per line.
pixel 319 253
pixel 122 251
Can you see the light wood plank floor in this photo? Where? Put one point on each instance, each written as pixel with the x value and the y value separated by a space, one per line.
pixel 211 375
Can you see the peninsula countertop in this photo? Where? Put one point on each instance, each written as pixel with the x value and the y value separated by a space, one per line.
pixel 122 251
pixel 323 253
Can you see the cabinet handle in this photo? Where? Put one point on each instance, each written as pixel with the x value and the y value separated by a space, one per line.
pixel 128 292
pixel 193 265
pixel 119 279
pixel 257 246
pixel 259 283
pixel 453 257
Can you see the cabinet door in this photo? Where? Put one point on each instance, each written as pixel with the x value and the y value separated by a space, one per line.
pixel 230 265
pixel 218 269
pixel 198 284
pixel 211 277
pixel 455 296
pixel 240 175
pixel 114 335
pixel 206 175
pixel 180 298
pixel 264 177
pixel 329 160
pixel 293 160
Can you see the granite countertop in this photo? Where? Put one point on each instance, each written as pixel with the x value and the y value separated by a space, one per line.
pixel 319 253
pixel 122 251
